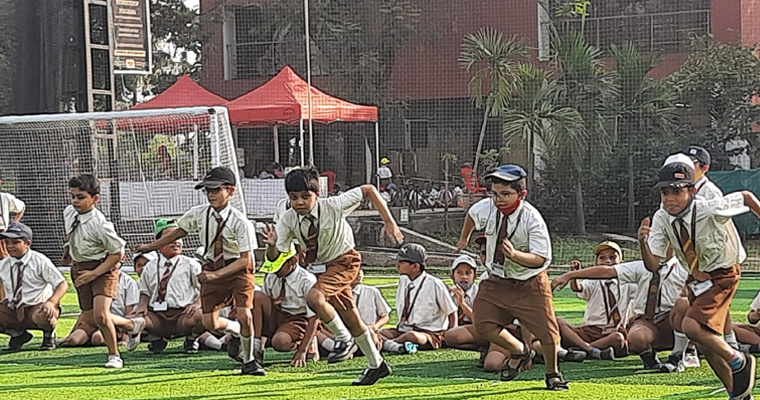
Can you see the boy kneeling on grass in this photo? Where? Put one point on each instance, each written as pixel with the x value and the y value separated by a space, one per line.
pixel 280 314
pixel 424 306
pixel 34 288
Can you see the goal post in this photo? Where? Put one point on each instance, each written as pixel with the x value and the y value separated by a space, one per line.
pixel 148 162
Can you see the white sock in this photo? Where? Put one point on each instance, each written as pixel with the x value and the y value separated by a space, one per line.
pixel 731 339
pixel 367 346
pixel 233 328
pixel 338 329
pixel 561 353
pixel 328 344
pixel 212 342
pixel 680 343
pixel 392 346
pixel 257 344
pixel 247 345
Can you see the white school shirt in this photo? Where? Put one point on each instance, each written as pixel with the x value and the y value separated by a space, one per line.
pixel 384 172
pixel 672 280
pixel 335 234
pixel 236 235
pixel 183 287
pixel 370 303
pixel 39 278
pixel 296 286
pixel 9 203
pixel 530 235
pixel 755 305
pixel 707 189
pixel 594 292
pixel 717 242
pixel 469 298
pixel 282 206
pixel 94 238
pixel 430 309
pixel 128 295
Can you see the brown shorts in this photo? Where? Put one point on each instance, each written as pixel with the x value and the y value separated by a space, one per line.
pixel 11 318
pixel 434 339
pixel 104 285
pixel 168 324
pixel 335 283
pixel 235 290
pixel 282 322
pixel 711 307
pixel 663 332
pixel 592 333
pixel 91 329
pixel 500 301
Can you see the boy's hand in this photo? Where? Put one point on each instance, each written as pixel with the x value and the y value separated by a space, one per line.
pixel 139 312
pixel 207 276
pixel 458 294
pixel 393 233
pixel 191 310
pixel 461 245
pixel 85 277
pixel 299 359
pixel 559 282
pixel 270 235
pixel 644 230
pixel 48 310
pixel 507 248
pixel 141 248
pixel 575 265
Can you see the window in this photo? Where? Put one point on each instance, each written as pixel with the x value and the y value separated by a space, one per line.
pixel 415 134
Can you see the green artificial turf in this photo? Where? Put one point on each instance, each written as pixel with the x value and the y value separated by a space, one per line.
pixel 445 374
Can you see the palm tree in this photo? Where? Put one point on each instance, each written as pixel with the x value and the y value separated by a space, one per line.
pixel 586 85
pixel 643 104
pixel 495 79
pixel 535 116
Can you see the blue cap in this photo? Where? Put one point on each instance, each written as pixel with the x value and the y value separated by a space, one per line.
pixel 508 173
pixel 17 230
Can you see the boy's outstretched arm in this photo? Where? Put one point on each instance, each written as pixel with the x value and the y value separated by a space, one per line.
pixel 170 238
pixel 390 229
pixel 464 237
pixel 751 201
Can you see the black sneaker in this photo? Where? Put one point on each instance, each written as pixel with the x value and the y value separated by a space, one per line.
pixel 157 346
pixel 744 378
pixel 233 348
pixel 574 355
pixel 674 363
pixel 341 352
pixel 253 368
pixel 17 341
pixel 48 342
pixel 607 354
pixel 650 360
pixel 191 345
pixel 372 375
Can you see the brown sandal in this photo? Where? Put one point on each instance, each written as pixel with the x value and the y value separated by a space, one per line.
pixel 555 382
pixel 509 373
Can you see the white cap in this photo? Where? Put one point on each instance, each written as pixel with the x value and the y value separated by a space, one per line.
pixel 150 256
pixel 464 259
pixel 679 158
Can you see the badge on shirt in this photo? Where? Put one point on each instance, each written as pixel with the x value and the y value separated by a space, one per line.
pixel 699 288
pixel 317 268
pixel 159 306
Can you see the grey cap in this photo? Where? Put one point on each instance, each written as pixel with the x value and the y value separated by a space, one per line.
pixel 17 230
pixel 413 253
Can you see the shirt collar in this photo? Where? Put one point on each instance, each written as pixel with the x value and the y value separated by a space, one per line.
pixel 357 289
pixel 24 259
pixel 294 276
pixel 175 260
pixel 513 217
pixel 84 217
pixel 418 279
pixel 314 212
pixel 224 213
pixel 686 217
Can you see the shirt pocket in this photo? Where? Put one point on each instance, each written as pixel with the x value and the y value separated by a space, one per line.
pixel 714 245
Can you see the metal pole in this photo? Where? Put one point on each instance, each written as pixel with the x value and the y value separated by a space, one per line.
pixel 276 145
pixel 377 153
pixel 300 144
pixel 308 80
pixel 195 153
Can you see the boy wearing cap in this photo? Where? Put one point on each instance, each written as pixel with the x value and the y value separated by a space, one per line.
pixel 281 314
pixel 696 229
pixel 463 271
pixel 127 298
pixel 749 334
pixel 602 335
pixel 423 304
pixel 94 251
pixel 228 241
pixel 320 227
pixel 34 288
pixel 8 204
pixel 384 173
pixel 169 295
pixel 518 251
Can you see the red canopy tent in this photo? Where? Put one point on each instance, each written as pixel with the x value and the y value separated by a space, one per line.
pixel 183 93
pixel 284 100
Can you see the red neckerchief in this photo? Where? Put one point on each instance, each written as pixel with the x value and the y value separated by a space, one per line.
pixel 507 210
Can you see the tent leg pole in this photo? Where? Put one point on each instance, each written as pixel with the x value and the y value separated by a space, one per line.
pixel 300 145
pixel 377 152
pixel 276 144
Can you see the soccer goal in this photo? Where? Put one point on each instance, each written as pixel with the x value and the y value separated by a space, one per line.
pixel 147 161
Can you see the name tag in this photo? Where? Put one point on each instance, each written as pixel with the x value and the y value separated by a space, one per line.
pixel 315 268
pixel 699 288
pixel 497 271
pixel 159 306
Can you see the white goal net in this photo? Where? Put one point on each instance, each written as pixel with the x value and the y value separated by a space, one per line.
pixel 148 163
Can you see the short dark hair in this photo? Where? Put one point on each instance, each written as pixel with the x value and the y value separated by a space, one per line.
pixel 302 179
pixel 518 185
pixel 86 182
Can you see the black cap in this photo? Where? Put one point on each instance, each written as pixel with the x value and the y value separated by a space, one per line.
pixel 17 230
pixel 413 253
pixel 676 175
pixel 698 154
pixel 217 177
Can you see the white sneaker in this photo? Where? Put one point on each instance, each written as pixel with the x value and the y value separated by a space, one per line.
pixel 691 360
pixel 134 335
pixel 114 361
